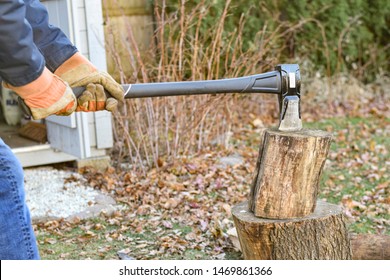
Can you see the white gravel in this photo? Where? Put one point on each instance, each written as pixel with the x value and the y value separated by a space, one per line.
pixel 49 196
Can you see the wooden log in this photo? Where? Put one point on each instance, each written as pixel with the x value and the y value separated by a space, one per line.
pixel 323 235
pixel 363 246
pixel 287 173
pixel 370 247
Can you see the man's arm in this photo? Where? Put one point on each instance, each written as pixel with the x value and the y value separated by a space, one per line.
pixel 63 59
pixel 20 60
pixel 22 66
pixel 51 41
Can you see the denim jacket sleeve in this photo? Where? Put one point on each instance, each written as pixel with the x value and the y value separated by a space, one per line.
pixel 28 42
pixel 20 60
pixel 51 41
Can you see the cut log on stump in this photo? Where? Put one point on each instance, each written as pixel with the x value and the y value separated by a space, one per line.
pixel 322 235
pixel 288 172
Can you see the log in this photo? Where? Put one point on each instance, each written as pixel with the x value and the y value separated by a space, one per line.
pixel 287 174
pixel 323 235
pixel 363 246
pixel 370 247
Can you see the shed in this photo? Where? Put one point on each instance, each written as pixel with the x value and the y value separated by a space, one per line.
pixel 82 135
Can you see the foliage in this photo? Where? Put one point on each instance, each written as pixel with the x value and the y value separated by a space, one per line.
pixel 149 130
pixel 335 36
pixel 197 40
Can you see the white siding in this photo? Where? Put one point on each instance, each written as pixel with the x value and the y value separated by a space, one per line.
pixel 88 132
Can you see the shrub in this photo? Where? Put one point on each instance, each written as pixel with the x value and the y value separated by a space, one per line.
pixel 199 39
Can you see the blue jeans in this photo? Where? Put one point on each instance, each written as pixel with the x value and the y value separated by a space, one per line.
pixel 17 239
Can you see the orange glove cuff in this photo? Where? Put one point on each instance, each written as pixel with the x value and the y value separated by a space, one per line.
pixel 42 92
pixel 75 60
pixel 46 95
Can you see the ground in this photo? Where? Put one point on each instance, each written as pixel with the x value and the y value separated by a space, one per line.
pixel 182 210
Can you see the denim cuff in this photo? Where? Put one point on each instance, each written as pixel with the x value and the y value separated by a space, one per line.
pixel 55 57
pixel 21 78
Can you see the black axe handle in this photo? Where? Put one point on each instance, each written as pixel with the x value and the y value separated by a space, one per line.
pixel 274 82
pixel 269 82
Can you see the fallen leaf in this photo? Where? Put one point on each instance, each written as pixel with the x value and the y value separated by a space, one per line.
pixel 167 224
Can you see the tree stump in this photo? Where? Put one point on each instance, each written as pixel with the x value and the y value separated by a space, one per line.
pixel 320 236
pixel 287 173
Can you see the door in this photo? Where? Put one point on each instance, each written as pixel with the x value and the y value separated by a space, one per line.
pixel 82 22
pixel 67 134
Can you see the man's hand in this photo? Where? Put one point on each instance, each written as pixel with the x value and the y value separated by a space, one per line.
pixel 79 71
pixel 94 99
pixel 47 95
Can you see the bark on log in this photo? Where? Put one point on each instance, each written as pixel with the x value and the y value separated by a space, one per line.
pixel 287 174
pixel 363 246
pixel 370 247
pixel 323 235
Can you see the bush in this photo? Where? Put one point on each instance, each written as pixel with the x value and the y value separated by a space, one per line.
pixel 335 36
pixel 199 39
pixel 187 47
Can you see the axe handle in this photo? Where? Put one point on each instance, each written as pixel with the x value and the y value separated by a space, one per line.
pixel 269 82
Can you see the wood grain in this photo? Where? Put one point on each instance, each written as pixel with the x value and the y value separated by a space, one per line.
pixel 287 174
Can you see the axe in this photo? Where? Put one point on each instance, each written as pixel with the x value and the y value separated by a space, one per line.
pixel 285 81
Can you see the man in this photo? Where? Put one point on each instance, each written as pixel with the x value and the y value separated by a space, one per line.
pixel 40 64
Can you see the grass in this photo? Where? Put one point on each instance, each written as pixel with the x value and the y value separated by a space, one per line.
pixel 98 245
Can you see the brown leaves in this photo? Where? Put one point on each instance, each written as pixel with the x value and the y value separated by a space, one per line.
pixel 171 203
pixel 185 205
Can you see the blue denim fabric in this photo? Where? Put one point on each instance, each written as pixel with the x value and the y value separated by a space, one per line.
pixel 17 239
pixel 50 40
pixel 28 42
pixel 20 60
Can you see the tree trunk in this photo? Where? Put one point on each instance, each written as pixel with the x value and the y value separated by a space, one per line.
pixel 320 236
pixel 288 172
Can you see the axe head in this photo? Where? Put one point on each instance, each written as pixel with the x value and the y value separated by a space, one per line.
pixel 290 97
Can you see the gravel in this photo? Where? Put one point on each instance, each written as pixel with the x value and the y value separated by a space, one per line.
pixel 49 195
pixel 231 160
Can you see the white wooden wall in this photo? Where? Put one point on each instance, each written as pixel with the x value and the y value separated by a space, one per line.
pixel 91 133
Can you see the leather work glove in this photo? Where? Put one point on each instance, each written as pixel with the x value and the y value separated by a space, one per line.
pixel 79 71
pixel 47 95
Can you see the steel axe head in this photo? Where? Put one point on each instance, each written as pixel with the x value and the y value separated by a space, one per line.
pixel 290 97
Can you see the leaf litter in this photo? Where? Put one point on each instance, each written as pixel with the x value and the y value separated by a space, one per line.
pixel 185 205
